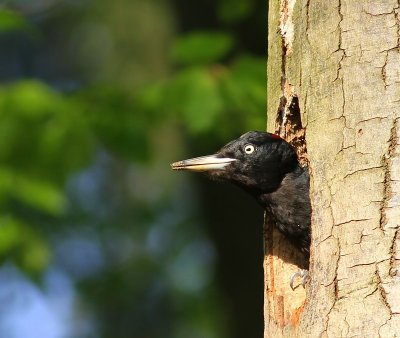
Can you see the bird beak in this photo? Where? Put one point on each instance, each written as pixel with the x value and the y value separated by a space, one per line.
pixel 204 163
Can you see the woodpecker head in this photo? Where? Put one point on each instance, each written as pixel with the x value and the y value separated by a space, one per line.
pixel 256 161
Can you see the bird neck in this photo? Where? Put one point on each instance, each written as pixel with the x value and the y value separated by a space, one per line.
pixel 286 187
pixel 269 180
pixel 289 207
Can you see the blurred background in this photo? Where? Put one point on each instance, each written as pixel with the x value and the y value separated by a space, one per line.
pixel 98 237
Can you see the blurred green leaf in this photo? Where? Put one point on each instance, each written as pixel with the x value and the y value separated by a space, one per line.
pixel 231 11
pixel 10 21
pixel 37 194
pixel 29 99
pixel 195 95
pixel 24 246
pixel 203 97
pixel 10 235
pixel 40 195
pixel 201 47
pixel 36 255
pixel 150 99
pixel 244 90
pixel 116 121
pixel 42 132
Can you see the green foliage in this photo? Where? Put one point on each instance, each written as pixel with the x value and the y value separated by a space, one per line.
pixel 244 88
pixel 194 94
pixel 12 21
pixel 209 96
pixel 201 47
pixel 29 251
pixel 106 109
pixel 42 133
pixel 43 139
pixel 202 104
pixel 50 139
pixel 41 195
pixel 231 11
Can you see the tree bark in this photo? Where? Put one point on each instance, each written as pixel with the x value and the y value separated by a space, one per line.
pixel 334 75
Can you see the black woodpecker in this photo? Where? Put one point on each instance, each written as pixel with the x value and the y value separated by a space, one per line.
pixel 266 166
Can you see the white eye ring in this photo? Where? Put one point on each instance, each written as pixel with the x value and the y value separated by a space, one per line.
pixel 249 148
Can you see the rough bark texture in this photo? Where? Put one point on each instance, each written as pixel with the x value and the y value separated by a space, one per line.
pixel 334 69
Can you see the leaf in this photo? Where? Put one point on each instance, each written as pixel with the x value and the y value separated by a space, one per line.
pixel 116 121
pixel 37 194
pixel 29 99
pixel 150 98
pixel 24 246
pixel 195 95
pixel 201 47
pixel 10 235
pixel 11 21
pixel 231 11
pixel 42 132
pixel 35 256
pixel 244 90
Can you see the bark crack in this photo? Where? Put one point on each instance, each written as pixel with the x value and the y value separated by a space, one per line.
pixel 360 170
pixel 335 288
pixel 365 264
pixel 340 47
pixel 352 220
pixel 386 163
pixel 336 279
pixel 392 251
pixel 383 71
pixel 379 14
pixel 382 292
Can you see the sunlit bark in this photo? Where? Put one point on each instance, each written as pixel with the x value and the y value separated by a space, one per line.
pixel 334 73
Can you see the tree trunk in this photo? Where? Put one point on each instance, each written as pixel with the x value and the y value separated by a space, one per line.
pixel 334 69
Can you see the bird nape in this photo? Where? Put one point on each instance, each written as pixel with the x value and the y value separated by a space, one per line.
pixel 266 166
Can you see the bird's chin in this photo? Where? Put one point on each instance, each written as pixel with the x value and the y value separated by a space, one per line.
pixel 218 175
pixel 210 164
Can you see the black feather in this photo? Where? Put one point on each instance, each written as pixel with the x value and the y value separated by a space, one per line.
pixel 271 173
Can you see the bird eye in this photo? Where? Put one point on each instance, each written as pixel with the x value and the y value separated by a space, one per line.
pixel 248 148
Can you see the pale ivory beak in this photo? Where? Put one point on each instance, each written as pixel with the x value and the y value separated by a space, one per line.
pixel 204 163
